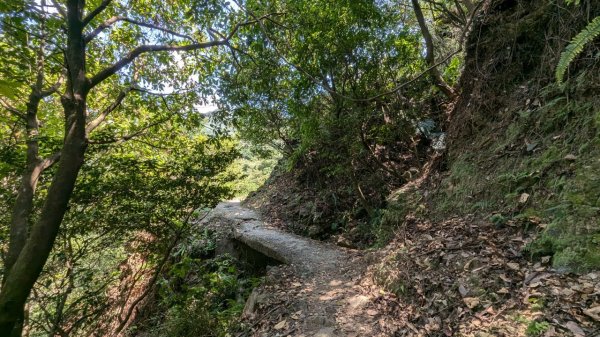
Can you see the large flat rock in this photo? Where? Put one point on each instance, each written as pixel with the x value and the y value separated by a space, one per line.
pixel 245 225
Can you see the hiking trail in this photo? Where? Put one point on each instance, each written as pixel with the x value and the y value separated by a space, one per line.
pixel 319 290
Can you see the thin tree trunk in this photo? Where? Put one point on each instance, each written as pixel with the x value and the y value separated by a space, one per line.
pixel 24 201
pixel 30 262
pixel 430 56
pixel 23 205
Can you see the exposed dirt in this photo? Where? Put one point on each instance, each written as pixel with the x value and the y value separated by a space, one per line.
pixel 454 278
pixel 320 291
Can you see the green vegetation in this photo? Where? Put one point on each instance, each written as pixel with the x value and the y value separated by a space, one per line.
pixel 587 35
pixel 253 168
pixel 537 328
pixel 348 120
pixel 103 159
pixel 548 155
pixel 201 298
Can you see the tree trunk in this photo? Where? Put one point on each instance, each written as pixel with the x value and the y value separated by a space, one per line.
pixel 430 56
pixel 34 254
pixel 32 258
pixel 24 201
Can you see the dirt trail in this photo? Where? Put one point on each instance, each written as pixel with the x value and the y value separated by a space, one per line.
pixel 319 291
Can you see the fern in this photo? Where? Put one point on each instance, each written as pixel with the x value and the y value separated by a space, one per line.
pixel 589 33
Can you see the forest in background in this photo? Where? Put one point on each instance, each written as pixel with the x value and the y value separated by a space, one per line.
pixel 377 112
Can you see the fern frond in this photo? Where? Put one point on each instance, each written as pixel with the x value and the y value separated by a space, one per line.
pixel 575 47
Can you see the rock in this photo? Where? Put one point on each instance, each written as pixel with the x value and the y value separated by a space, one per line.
pixel 523 198
pixel 358 301
pixel 254 298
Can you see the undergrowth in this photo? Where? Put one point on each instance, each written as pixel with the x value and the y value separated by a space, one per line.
pixel 199 295
pixel 540 170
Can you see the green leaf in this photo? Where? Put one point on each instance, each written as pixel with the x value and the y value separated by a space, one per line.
pixel 9 89
pixel 587 35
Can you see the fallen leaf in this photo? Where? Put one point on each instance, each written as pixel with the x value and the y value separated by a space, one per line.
pixel 551 332
pixel 593 313
pixel 280 325
pixel 504 278
pixel 575 329
pixel 471 302
pixel 523 198
pixel 513 266
pixel 462 290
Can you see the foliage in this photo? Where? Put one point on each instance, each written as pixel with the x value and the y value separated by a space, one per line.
pixel 201 297
pixel 150 186
pixel 147 164
pixel 537 328
pixel 547 151
pixel 313 82
pixel 253 168
pixel 575 47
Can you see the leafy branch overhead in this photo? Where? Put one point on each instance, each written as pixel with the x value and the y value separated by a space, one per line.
pixel 79 92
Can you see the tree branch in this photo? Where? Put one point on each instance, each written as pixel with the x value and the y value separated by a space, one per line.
pixel 150 285
pixel 111 21
pixel 52 89
pixel 95 12
pixel 131 135
pixel 59 8
pixel 102 116
pixel 49 161
pixel 324 85
pixel 429 53
pixel 132 55
pixel 13 110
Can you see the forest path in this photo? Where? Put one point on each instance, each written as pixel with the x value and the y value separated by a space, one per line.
pixel 304 254
pixel 319 291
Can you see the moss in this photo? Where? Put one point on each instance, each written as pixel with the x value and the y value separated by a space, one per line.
pixel 550 151
pixel 387 220
pixel 574 233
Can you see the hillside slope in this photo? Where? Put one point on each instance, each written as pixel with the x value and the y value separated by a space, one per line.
pixel 500 234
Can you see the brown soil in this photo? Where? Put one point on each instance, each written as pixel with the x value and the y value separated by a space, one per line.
pixel 460 277
pixel 321 291
pixel 455 278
